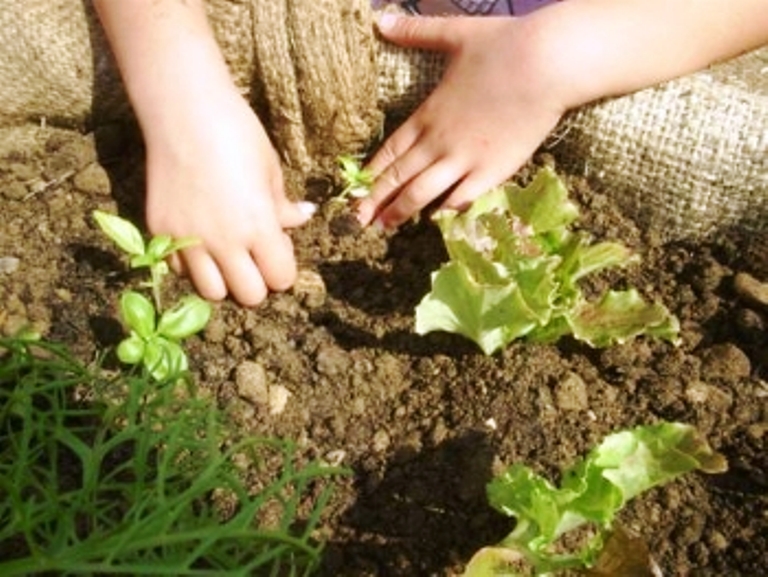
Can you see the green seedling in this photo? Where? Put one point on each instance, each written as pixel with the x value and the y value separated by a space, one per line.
pixel 592 492
pixel 152 255
pixel 514 270
pixel 357 180
pixel 142 478
pixel 155 343
pixel 154 334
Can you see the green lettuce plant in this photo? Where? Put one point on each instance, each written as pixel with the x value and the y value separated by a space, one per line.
pixel 514 270
pixel 591 493
pixel 154 334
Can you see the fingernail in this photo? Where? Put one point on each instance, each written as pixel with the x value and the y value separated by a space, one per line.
pixel 387 21
pixel 307 208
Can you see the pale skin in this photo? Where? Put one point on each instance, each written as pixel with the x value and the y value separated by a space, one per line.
pixel 213 174
pixel 510 80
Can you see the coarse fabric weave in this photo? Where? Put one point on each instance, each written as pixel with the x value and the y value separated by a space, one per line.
pixel 686 159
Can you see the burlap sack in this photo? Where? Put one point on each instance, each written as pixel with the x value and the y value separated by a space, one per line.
pixel 307 67
pixel 687 159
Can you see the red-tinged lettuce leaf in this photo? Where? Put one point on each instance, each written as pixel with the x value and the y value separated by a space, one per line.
pixel 620 316
pixel 514 273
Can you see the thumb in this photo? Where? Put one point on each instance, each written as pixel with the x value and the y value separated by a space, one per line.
pixel 293 214
pixel 426 32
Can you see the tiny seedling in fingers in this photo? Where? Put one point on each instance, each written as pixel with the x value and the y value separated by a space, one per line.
pixel 154 334
pixel 357 180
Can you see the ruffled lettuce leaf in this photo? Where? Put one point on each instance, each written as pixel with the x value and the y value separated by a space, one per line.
pixel 514 270
pixel 624 465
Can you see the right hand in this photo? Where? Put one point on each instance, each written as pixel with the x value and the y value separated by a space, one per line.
pixel 213 174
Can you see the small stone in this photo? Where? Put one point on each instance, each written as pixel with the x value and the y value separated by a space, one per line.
pixel 380 441
pixel 717 541
pixel 757 431
pixel 15 190
pixel 64 295
pixel 725 361
pixel 310 289
pixel 439 432
pixel 332 361
pixel 335 457
pixel 9 264
pixel 251 383
pixel 751 290
pixel 571 393
pixel 93 179
pixel 278 399
pixel 699 393
pixel 750 321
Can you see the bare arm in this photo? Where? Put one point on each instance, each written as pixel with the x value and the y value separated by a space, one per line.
pixel 212 173
pixel 509 81
pixel 609 47
pixel 165 49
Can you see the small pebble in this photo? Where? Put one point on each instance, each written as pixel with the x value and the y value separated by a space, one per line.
pixel 278 398
pixel 751 290
pixel 15 190
pixel 9 264
pixel 571 393
pixel 310 289
pixel 93 179
pixel 725 361
pixel 251 383
pixel 380 442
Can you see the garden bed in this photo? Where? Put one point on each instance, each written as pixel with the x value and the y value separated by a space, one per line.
pixel 423 422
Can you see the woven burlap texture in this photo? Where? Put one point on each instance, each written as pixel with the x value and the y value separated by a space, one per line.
pixel 686 159
pixel 307 67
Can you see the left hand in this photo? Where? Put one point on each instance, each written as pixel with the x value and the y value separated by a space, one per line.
pixel 495 104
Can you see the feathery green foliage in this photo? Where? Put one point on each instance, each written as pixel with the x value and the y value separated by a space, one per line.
pixel 90 485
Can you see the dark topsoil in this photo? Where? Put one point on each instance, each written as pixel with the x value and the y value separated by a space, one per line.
pixel 423 421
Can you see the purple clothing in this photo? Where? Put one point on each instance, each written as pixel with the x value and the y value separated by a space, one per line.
pixel 470 7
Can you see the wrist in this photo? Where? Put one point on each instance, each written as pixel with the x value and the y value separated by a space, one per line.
pixel 189 84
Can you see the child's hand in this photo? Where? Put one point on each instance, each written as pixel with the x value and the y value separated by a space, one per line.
pixel 216 177
pixel 495 104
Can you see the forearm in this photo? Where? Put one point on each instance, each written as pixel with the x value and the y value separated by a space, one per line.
pixel 165 51
pixel 610 47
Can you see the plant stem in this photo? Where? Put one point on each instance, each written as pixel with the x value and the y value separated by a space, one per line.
pixel 157 280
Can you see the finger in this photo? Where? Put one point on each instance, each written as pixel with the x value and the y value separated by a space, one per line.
pixel 293 214
pixel 432 33
pixel 398 143
pixel 392 179
pixel 470 189
pixel 244 279
pixel 276 261
pixel 425 188
pixel 177 264
pixel 205 274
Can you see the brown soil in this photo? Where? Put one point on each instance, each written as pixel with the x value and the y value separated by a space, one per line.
pixel 422 421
